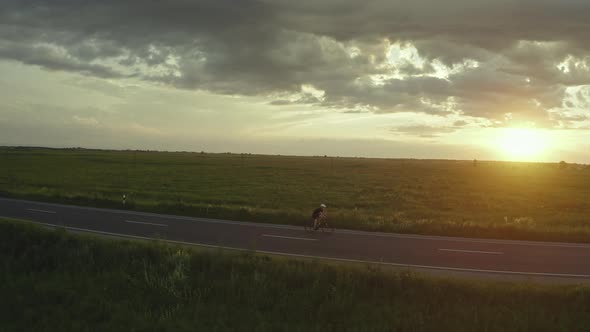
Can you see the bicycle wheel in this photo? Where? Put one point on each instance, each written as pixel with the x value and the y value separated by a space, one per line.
pixel 331 228
pixel 326 227
pixel 308 226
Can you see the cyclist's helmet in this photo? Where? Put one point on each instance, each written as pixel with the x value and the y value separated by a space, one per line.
pixel 323 205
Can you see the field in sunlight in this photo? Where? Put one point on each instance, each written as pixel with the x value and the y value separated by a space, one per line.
pixel 55 281
pixel 492 199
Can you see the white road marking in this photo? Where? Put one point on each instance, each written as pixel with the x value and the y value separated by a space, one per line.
pixel 145 223
pixel 541 274
pixel 44 211
pixel 474 251
pixel 290 237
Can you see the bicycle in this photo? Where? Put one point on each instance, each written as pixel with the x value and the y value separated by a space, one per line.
pixel 323 226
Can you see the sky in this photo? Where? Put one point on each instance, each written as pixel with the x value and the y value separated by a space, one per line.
pixel 455 79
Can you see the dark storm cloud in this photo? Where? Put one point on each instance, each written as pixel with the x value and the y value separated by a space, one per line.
pixel 274 47
pixel 48 58
pixel 488 24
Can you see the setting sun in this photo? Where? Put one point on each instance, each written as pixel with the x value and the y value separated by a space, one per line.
pixel 522 144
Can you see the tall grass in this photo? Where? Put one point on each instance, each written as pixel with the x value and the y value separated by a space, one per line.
pixel 536 201
pixel 54 281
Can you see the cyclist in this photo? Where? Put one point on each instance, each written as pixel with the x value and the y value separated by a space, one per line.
pixel 319 215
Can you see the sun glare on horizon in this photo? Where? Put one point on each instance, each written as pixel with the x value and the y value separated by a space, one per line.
pixel 522 144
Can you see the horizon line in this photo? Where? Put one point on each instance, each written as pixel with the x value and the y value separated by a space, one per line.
pixel 280 155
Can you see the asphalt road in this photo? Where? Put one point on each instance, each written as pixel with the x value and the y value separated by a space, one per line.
pixel 435 254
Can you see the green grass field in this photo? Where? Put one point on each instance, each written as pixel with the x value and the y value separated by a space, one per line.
pixel 534 201
pixel 51 280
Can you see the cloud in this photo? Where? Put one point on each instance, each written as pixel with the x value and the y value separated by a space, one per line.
pixel 86 121
pixel 423 131
pixel 474 58
pixel 49 56
pixel 141 129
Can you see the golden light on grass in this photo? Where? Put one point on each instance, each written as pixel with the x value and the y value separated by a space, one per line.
pixel 523 144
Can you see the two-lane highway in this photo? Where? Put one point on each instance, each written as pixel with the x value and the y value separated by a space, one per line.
pixel 429 253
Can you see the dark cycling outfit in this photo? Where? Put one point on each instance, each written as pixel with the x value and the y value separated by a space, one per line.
pixel 318 214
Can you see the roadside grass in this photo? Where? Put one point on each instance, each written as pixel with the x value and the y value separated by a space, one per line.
pixel 528 201
pixel 51 280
